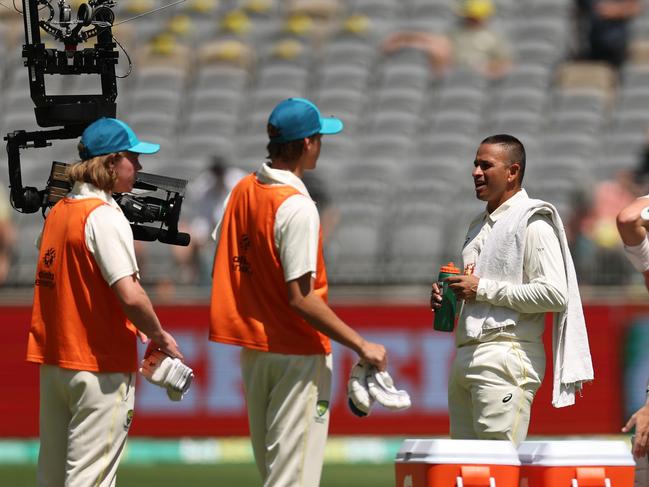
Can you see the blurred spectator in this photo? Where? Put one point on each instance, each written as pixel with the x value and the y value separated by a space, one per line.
pixel 597 250
pixel 471 43
pixel 202 209
pixel 604 28
pixel 7 236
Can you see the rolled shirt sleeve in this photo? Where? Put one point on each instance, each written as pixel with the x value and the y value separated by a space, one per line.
pixel 110 240
pixel 297 230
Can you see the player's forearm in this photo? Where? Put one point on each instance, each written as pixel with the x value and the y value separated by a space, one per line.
pixel 319 315
pixel 536 297
pixel 629 223
pixel 137 307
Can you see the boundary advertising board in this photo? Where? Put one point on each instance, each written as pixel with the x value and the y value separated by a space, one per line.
pixel 419 361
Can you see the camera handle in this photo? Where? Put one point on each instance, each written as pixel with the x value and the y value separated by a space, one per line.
pixel 150 234
pixel 29 199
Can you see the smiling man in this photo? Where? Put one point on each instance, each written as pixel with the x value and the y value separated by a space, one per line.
pixel 517 267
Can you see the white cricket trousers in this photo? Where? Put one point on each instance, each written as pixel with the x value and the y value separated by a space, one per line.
pixel 288 411
pixel 84 420
pixel 491 389
pixel 641 476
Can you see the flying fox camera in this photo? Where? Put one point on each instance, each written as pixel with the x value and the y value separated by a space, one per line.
pixel 93 19
pixel 72 113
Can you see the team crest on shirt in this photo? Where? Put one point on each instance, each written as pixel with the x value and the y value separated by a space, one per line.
pixel 45 276
pixel 244 242
pixel 48 258
pixel 129 420
pixel 321 408
pixel 241 262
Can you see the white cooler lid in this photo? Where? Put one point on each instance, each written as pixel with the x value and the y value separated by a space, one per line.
pixel 444 451
pixel 575 453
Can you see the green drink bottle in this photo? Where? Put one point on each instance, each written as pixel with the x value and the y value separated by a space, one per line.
pixel 445 316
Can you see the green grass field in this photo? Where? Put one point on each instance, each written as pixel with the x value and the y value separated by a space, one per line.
pixel 225 475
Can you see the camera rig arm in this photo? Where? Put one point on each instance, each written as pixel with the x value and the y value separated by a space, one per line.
pixel 29 199
pixel 73 113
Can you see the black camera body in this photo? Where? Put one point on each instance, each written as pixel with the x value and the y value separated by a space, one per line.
pixel 73 113
pixel 138 207
pixel 144 209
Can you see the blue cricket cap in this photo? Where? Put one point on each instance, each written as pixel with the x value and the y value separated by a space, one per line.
pixel 108 135
pixel 297 118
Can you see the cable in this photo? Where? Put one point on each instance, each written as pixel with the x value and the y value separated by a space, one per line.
pixel 150 12
pixel 130 63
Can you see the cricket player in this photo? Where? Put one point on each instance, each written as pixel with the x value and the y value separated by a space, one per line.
pixel 88 308
pixel 269 296
pixel 517 268
pixel 632 224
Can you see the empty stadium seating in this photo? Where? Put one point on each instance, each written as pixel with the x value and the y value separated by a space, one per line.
pixel 410 134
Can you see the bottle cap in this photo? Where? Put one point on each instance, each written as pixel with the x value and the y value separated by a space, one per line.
pixel 644 214
pixel 449 268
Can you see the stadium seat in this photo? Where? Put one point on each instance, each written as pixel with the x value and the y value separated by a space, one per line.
pixel 397 99
pixel 527 76
pixel 581 74
pixel 388 122
pixel 447 146
pixel 464 98
pixel 344 76
pixel 411 74
pixel 515 121
pixel 454 122
pixel 416 245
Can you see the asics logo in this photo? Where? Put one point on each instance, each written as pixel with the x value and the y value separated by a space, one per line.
pixel 508 397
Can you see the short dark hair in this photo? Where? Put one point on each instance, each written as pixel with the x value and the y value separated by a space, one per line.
pixel 285 151
pixel 514 148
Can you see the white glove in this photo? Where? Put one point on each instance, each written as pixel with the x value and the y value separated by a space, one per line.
pixel 381 388
pixel 359 399
pixel 156 367
pixel 170 373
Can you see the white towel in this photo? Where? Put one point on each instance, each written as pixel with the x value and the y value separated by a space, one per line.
pixel 502 259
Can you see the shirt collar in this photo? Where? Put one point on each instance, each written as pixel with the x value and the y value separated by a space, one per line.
pixel 502 209
pixel 87 190
pixel 268 175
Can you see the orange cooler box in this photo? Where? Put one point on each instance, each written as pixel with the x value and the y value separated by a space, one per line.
pixel 576 464
pixel 461 463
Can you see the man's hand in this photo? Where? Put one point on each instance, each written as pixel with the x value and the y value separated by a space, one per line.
pixel 313 309
pixel 375 354
pixel 435 297
pixel 137 307
pixel 464 287
pixel 639 419
pixel 166 344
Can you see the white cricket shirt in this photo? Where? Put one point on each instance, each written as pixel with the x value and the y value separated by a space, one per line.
pixel 544 285
pixel 108 235
pixel 297 224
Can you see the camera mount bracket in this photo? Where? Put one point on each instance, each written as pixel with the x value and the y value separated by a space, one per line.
pixel 73 113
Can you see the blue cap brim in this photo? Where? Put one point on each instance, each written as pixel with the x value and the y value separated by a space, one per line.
pixel 331 125
pixel 145 148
